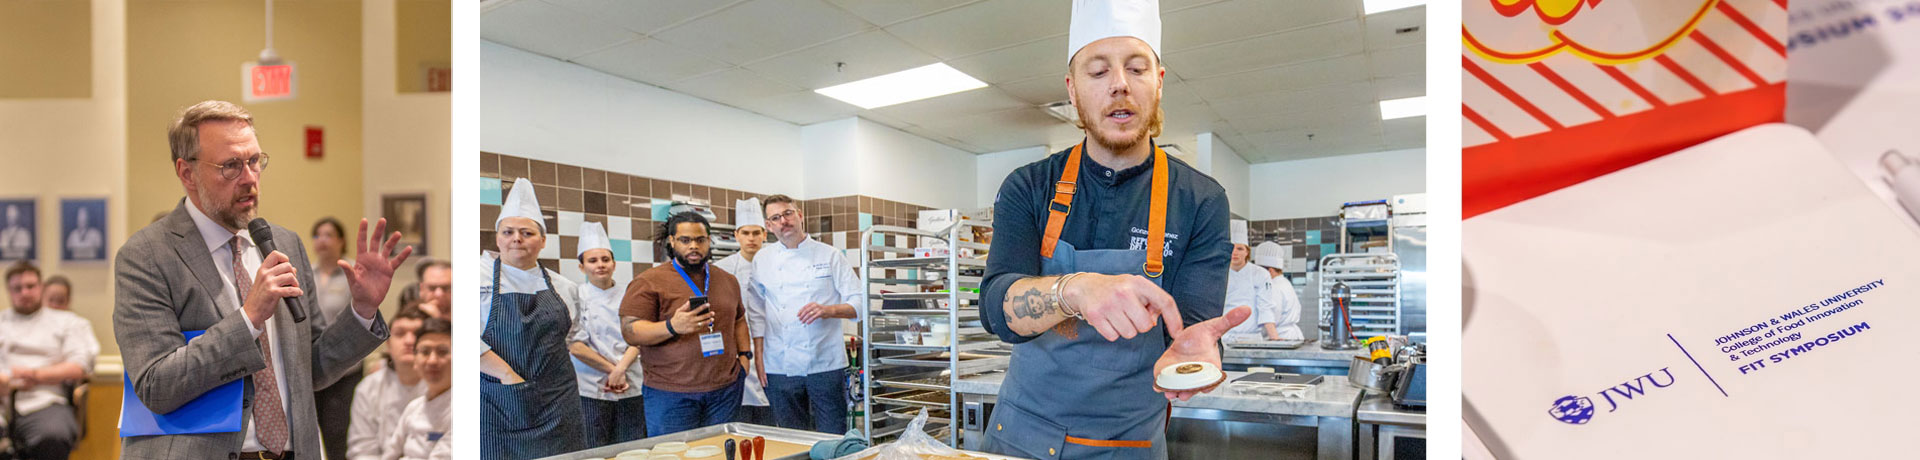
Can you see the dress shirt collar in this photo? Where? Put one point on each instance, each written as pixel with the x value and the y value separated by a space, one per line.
pixel 214 234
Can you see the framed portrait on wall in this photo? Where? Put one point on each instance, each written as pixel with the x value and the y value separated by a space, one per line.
pixel 18 239
pixel 407 214
pixel 83 229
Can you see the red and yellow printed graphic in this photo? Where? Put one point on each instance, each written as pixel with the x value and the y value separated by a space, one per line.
pixel 1555 92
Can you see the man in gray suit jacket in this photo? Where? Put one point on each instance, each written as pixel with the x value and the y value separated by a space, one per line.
pixel 197 270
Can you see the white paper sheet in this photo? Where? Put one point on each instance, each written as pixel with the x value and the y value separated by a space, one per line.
pixel 1617 290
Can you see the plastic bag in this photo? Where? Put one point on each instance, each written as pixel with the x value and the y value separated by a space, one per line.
pixel 913 444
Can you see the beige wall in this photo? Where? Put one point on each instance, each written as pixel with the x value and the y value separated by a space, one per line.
pixel 84 146
pixel 74 148
pixel 408 136
pixel 42 48
pixel 192 50
pixel 425 39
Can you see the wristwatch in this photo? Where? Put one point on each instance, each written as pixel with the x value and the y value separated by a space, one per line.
pixel 748 354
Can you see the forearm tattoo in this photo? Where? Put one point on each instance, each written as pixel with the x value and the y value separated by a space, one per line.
pixel 1031 304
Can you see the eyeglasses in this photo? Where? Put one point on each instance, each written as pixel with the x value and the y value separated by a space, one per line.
pixel 785 215
pixel 231 168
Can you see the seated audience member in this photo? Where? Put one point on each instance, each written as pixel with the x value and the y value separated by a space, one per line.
pixel 424 428
pixel 384 394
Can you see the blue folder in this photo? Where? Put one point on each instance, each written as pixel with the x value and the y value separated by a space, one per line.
pixel 216 411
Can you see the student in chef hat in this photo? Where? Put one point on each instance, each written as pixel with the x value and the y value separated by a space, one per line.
pixel 524 356
pixel 1247 285
pixel 1286 300
pixel 607 370
pixel 750 231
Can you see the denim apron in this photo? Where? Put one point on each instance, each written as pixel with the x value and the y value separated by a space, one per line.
pixel 541 416
pixel 1076 395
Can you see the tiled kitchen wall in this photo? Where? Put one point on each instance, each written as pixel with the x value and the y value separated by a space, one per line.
pixel 1310 237
pixel 570 195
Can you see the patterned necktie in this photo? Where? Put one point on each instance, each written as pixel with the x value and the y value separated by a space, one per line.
pixel 269 420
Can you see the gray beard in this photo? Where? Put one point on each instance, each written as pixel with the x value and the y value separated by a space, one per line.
pixel 224 216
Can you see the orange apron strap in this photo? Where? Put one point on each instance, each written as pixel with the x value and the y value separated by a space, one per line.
pixel 1104 443
pixel 1157 218
pixel 1062 202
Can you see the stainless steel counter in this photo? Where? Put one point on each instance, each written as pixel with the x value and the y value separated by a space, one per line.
pixel 1308 359
pixel 1389 432
pixel 1328 409
pixel 1378 409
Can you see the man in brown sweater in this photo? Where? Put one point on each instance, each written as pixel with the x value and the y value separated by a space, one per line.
pixel 692 354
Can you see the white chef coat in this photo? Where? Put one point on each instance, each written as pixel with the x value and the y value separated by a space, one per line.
pixel 15 241
pixel 742 269
pixel 786 280
pixel 599 328
pixel 425 431
pixel 219 243
pixel 517 281
pixel 42 339
pixel 1287 302
pixel 332 296
pixel 378 404
pixel 85 243
pixel 1248 286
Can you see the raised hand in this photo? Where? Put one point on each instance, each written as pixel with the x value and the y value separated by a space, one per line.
pixel 371 272
pixel 1200 342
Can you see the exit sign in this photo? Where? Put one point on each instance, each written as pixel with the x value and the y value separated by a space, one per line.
pixel 267 82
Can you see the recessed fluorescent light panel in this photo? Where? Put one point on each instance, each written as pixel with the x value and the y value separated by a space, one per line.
pixel 1403 108
pixel 903 86
pixel 1375 6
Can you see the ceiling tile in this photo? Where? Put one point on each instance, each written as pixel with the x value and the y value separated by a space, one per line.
pixel 1239 19
pixel 1400 87
pixel 649 61
pixel 1015 63
pixel 803 107
pixel 888 12
pixel 1405 60
pixel 1344 69
pixel 734 87
pixel 1168 6
pixel 1318 42
pixel 550 30
pixel 1178 93
pixel 1383 28
pixel 868 54
pixel 979 27
pixel 1195 118
pixel 1000 131
pixel 934 110
pixel 1365 115
pixel 760 29
pixel 643 16
pixel 1402 133
pixel 1275 102
pixel 1039 90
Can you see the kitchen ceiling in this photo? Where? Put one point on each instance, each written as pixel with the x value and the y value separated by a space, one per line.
pixel 1276 80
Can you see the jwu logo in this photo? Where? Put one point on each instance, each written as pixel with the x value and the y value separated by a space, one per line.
pixel 1578 410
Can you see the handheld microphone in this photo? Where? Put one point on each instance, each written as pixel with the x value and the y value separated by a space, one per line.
pixel 263 239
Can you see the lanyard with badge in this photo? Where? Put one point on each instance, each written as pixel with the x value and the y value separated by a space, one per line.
pixel 710 343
